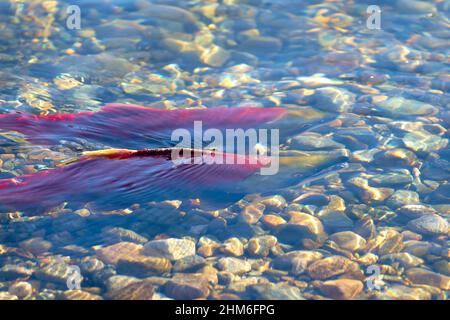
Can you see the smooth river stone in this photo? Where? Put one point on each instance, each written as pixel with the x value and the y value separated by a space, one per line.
pixel 403 197
pixel 431 224
pixel 119 251
pixel 387 241
pixel 21 289
pixel 8 296
pixel 261 246
pixel 272 221
pixel 79 295
pixel 423 141
pixel 401 292
pixel 426 277
pixel 404 259
pixel 172 249
pixel 312 224
pixel 270 291
pixel 57 272
pixel 330 267
pixel 12 272
pixel 368 194
pixel 140 290
pixel 251 214
pixel 341 289
pixel 189 286
pixel 399 106
pixel 349 240
pixel 332 99
pixel 414 211
pixel 143 266
pixel 117 282
pixel 234 265
pixel 36 246
pixel 189 264
pixel 296 262
pixel 232 247
pixel 117 234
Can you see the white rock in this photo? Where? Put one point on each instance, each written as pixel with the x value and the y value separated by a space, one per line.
pixel 173 249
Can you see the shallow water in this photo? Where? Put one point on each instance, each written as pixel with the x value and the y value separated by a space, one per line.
pixel 361 202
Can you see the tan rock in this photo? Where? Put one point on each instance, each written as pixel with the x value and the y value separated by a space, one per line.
pixel 341 289
pixel 426 277
pixel 349 240
pixel 330 267
pixel 119 251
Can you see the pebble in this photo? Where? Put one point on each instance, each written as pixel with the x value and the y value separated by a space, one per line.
pixel 13 271
pixel 395 157
pixel 401 292
pixel 261 246
pixel 341 289
pixel 418 248
pixel 207 247
pixel 314 141
pixel 189 264
pixel 426 277
pixel 232 247
pixel 422 141
pixel 121 250
pixel 79 295
pixel 416 6
pixel 234 265
pixel 365 227
pixel 172 249
pixel 270 291
pixel 272 221
pixel 215 56
pixel 404 259
pixel 91 264
pixel 442 266
pixel 139 290
pixel 335 221
pixel 188 286
pixel 332 99
pixel 403 197
pixel 330 267
pixel 400 107
pixel 261 45
pixel 312 226
pixel 21 289
pixel 367 193
pixel 430 224
pixel 414 211
pixel 143 266
pixel 36 246
pixel 349 240
pixel 57 272
pixel 396 179
pixel 117 282
pixel 296 262
pixel 387 241
pixel 8 296
pixel 273 203
pixel 117 234
pixel 251 214
pixel 367 259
